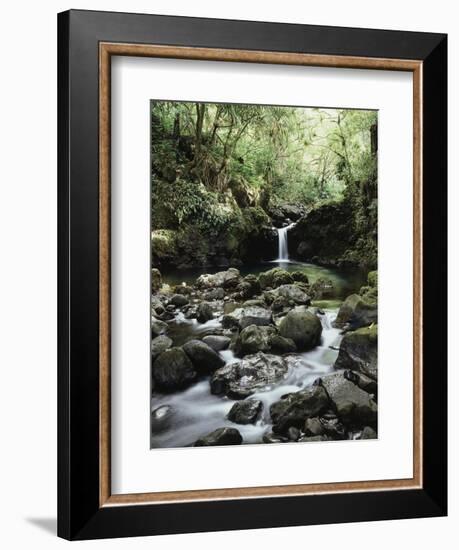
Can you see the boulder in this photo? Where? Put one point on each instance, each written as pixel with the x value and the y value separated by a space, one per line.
pixel 204 312
pixel 254 315
pixel 293 433
pixel 299 277
pixel 161 418
pixel 159 344
pixel 248 287
pixel 245 412
pixel 274 277
pixel 217 343
pixel 220 436
pixel 253 339
pixel 214 294
pixel 203 357
pixel 178 300
pixel 363 381
pixel 252 374
pixel 156 280
pixel 157 307
pixel 293 294
pixel 225 279
pixel 354 407
pixel 303 327
pixel 158 327
pixel 368 433
pixel 279 344
pixel 313 426
pixel 358 351
pixel 245 316
pixel 182 289
pixel 294 408
pixel 356 312
pixel 322 289
pixel 173 370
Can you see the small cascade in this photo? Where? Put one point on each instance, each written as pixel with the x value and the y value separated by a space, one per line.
pixel 283 243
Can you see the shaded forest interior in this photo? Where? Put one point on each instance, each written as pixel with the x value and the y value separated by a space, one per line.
pixel 223 175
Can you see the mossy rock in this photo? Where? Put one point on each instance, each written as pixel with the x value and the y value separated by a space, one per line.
pixel 359 351
pixel 300 277
pixel 275 277
pixel 356 312
pixel 373 279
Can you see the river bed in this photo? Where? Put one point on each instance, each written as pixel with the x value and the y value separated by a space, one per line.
pixel 195 412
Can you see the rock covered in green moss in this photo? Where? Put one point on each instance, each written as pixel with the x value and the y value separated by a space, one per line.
pixel 359 351
pixel 356 312
pixel 303 327
pixel 275 277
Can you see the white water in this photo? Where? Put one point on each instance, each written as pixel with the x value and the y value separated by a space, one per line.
pixel 283 243
pixel 197 412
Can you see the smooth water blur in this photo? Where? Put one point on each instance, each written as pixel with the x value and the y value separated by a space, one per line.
pixel 196 412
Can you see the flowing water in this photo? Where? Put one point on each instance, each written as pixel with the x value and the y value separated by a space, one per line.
pixel 282 235
pixel 195 412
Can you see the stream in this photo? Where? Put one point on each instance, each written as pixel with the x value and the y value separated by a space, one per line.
pixel 194 412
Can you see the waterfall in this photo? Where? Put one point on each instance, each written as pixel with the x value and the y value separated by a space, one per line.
pixel 283 243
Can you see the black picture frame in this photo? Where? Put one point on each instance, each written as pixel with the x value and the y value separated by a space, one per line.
pixel 80 515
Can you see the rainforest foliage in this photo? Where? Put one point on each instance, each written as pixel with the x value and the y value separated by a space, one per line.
pixel 221 171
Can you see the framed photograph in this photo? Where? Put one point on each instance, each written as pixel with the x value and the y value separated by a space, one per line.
pixel 252 274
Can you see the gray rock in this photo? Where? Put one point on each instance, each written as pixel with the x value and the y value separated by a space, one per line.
pixel 333 428
pixel 253 373
pixel 221 436
pixel 203 357
pixel 179 300
pixel 294 408
pixel 215 294
pixel 248 287
pixel 161 418
pixel 313 426
pixel 293 433
pixel 292 293
pixel 368 433
pixel 159 344
pixel 204 312
pixel 354 407
pixel 158 327
pixel 173 370
pixel 253 339
pixel 364 382
pixel 245 412
pixel 303 327
pixel 356 312
pixel 281 345
pixel 157 307
pixel 322 289
pixel 245 316
pixel 300 277
pixel 217 343
pixel 274 277
pixel 255 316
pixel 225 279
pixel 358 351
